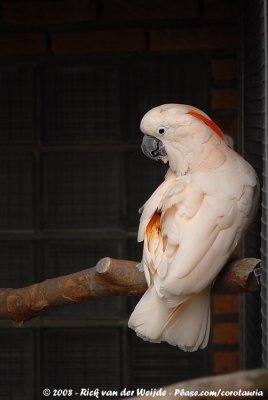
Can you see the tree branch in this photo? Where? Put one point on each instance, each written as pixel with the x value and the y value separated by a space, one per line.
pixel 247 381
pixel 110 277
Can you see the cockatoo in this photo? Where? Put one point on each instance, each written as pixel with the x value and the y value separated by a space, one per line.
pixel 190 225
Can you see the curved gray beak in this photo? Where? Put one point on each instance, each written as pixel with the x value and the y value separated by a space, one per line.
pixel 153 147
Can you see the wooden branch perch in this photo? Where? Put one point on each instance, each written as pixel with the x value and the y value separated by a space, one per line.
pixel 247 381
pixel 110 277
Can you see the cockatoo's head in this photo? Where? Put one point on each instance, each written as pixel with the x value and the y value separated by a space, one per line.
pixel 177 133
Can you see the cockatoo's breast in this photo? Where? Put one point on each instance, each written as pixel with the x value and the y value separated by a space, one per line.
pixel 222 182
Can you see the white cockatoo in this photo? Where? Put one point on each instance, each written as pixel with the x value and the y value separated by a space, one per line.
pixel 190 225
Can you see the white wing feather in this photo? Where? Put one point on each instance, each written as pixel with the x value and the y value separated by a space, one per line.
pixel 203 216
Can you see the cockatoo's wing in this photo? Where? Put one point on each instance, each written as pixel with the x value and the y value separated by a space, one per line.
pixel 202 220
pixel 190 226
pixel 149 224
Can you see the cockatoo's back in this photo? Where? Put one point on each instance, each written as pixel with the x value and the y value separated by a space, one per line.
pixel 190 226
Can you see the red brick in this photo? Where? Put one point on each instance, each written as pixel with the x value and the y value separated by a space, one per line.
pixel 225 362
pixel 149 9
pixel 115 40
pixel 225 303
pixel 224 99
pixel 193 38
pixel 23 43
pixel 225 333
pixel 48 12
pixel 220 9
pixel 224 69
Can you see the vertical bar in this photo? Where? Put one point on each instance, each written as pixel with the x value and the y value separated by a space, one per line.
pixel 37 220
pixel 264 277
pixel 251 118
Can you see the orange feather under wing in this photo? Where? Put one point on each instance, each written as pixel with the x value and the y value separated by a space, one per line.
pixel 154 227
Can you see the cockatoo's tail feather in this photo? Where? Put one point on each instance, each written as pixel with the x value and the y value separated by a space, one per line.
pixel 186 325
pixel 192 333
pixel 191 224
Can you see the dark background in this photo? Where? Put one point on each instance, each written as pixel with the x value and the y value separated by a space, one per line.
pixel 76 78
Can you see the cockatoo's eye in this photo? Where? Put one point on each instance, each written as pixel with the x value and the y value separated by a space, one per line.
pixel 161 130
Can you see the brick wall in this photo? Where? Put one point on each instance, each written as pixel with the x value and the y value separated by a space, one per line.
pixel 80 27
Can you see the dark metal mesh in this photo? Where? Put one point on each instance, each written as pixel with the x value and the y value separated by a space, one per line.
pixel 82 190
pixel 16 191
pixel 81 104
pixel 17 263
pixel 159 82
pixel 264 284
pixel 17 111
pixel 253 150
pixel 80 358
pixel 17 364
pixel 264 246
pixel 156 365
pixel 134 249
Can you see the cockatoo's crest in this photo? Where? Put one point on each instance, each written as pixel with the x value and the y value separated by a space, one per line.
pixel 208 122
pixel 179 134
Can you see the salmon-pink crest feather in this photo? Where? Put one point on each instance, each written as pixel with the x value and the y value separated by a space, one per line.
pixel 208 122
